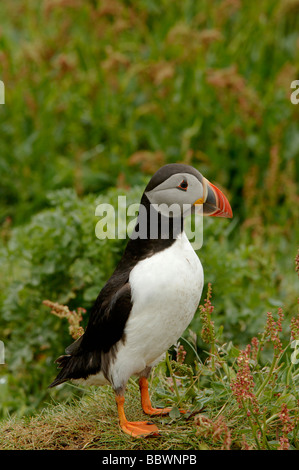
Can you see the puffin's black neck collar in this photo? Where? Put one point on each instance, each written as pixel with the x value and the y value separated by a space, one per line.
pixel 152 225
pixel 153 231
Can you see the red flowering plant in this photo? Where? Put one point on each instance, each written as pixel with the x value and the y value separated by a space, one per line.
pixel 247 386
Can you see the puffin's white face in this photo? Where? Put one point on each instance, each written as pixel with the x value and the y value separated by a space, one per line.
pixel 178 194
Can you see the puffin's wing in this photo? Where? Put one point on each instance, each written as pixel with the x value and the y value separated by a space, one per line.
pixel 106 326
pixel 107 320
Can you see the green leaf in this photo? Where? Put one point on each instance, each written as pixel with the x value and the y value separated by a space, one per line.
pixel 174 413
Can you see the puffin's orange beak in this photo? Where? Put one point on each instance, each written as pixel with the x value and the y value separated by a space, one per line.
pixel 214 202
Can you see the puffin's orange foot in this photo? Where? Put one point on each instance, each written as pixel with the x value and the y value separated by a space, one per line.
pixel 156 411
pixel 161 411
pixel 140 428
pixel 134 428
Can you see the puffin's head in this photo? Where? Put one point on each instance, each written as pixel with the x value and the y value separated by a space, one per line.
pixel 178 189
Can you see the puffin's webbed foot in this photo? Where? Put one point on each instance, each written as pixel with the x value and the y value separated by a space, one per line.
pixel 134 428
pixel 140 428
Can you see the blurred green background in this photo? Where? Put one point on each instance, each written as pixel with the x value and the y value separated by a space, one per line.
pixel 99 95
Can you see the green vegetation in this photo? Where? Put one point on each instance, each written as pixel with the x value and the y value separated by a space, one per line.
pixel 233 399
pixel 98 95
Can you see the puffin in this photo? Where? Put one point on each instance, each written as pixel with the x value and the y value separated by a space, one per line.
pixel 151 297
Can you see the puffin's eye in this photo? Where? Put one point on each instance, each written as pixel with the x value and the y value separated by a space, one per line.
pixel 183 185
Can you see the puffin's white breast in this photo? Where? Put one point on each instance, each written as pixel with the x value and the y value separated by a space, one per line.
pixel 166 290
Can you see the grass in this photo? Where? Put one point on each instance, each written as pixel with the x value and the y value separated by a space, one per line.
pixel 91 423
pixel 91 84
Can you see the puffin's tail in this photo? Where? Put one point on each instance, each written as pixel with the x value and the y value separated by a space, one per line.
pixel 78 363
pixel 64 363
